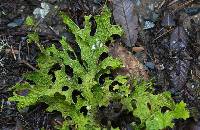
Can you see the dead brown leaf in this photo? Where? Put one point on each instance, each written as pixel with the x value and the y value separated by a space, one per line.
pixel 132 67
pixel 124 15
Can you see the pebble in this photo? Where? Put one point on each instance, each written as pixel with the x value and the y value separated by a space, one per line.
pixel 16 23
pixel 150 65
pixel 148 25
pixel 192 10
pixel 42 12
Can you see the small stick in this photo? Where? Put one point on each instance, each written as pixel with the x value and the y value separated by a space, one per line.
pixel 159 30
pixel 183 5
pixel 161 4
pixel 1 60
pixel 162 35
pixel 2 105
pixel 19 55
pixel 13 53
pixel 171 3
pixel 58 122
pixel 29 65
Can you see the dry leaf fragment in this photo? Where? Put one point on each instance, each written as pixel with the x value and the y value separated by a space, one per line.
pixel 137 49
pixel 10 51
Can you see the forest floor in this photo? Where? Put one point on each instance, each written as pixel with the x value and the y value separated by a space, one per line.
pixel 153 27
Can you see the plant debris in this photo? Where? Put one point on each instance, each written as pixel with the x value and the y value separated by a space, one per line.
pixel 132 67
pixel 124 15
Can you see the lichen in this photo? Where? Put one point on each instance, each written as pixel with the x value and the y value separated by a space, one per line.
pixel 55 87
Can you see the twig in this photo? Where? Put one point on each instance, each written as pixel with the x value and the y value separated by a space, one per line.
pixel 171 3
pixel 160 6
pixel 183 5
pixel 19 55
pixel 13 53
pixel 1 60
pixel 2 105
pixel 162 34
pixel 29 65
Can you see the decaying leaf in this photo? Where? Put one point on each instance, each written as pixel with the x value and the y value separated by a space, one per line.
pixel 178 48
pixel 132 67
pixel 123 12
pixel 178 76
pixel 178 40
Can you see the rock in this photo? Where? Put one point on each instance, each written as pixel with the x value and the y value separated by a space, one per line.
pixel 148 25
pixel 42 12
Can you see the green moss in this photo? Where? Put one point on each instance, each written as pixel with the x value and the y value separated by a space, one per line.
pixel 30 21
pixel 92 94
pixel 156 111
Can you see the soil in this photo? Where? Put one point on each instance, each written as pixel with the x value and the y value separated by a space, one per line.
pixel 159 55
